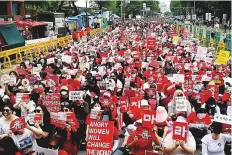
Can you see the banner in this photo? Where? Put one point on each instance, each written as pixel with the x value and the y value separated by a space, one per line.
pixel 51 101
pixel 100 138
pixel 223 57
pixel 181 104
pixel 149 119
pixel 225 119
pixel 44 151
pixel 151 42
pixel 180 131
pixel 76 95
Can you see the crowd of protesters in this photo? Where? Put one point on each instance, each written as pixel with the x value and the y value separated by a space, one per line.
pixel 113 64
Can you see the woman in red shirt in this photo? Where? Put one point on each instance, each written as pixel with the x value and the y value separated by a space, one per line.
pixel 141 140
pixel 199 122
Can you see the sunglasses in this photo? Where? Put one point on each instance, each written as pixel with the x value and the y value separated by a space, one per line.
pixel 37 111
pixel 6 110
pixel 179 95
pixel 65 110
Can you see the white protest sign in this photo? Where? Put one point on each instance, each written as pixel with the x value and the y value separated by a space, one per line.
pixel 95 113
pixel 76 95
pixel 12 80
pixel 50 61
pixel 67 58
pixel 5 78
pixel 178 78
pixel 44 151
pixel 181 104
pixel 36 70
pixel 19 97
pixel 201 53
pixel 223 119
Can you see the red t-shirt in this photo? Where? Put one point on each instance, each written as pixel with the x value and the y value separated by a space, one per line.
pixel 143 143
pixel 192 118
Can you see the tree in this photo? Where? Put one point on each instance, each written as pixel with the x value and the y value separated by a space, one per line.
pixel 175 6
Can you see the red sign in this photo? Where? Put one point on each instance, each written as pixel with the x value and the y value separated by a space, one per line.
pixel 148 119
pixel 72 121
pixel 100 138
pixel 213 91
pixel 135 104
pixel 38 118
pixel 52 102
pixel 55 79
pixel 32 79
pixel 105 102
pixel 152 153
pixel 123 104
pixel 151 92
pixel 151 42
pixel 17 124
pixel 180 131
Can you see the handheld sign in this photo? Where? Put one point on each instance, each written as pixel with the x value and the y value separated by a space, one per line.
pixel 178 78
pixel 76 95
pixel 181 104
pixel 50 61
pixel 201 53
pixel 151 42
pixel 22 97
pixel 100 137
pixel 52 102
pixel 44 151
pixel 17 124
pixel 149 119
pixel 225 119
pixel 180 131
pixel 223 57
pixel 67 58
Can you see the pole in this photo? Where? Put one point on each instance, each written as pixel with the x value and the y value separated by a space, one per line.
pixel 194 7
pixel 86 14
pixel 121 10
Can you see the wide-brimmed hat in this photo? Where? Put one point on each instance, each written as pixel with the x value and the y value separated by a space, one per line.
pixel 161 114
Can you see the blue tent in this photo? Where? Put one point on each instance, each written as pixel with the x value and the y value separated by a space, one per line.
pixel 78 20
pixel 84 14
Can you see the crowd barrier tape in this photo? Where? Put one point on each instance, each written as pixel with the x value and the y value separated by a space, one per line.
pixel 32 51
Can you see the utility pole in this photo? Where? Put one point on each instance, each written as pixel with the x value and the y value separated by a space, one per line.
pixel 121 10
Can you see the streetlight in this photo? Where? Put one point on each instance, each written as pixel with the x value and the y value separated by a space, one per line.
pixel 144 6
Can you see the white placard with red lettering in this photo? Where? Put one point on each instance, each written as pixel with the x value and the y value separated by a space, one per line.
pixel 148 118
pixel 100 138
pixel 50 61
pixel 225 119
pixel 177 78
pixel 95 113
pixel 44 151
pixel 76 95
pixel 181 104
pixel 36 70
pixel 201 53
pixel 67 58
pixel 22 97
pixel 180 131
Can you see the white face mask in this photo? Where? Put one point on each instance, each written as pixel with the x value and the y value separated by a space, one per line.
pixel 201 115
pixel 97 108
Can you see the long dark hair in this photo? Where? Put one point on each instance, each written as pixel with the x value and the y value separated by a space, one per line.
pixel 46 115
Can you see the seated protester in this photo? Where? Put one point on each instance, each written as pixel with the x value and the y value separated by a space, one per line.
pixel 25 138
pixel 138 114
pixel 46 126
pixel 211 106
pixel 162 121
pixel 141 140
pixel 25 107
pixel 168 68
pixel 69 134
pixel 199 122
pixel 174 147
pixel 54 143
pixel 214 143
pixel 129 129
pixel 92 85
pixel 5 121
pixel 172 105
pixel 118 83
